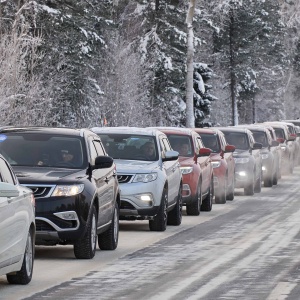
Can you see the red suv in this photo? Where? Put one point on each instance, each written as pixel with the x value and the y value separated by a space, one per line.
pixel 196 168
pixel 222 161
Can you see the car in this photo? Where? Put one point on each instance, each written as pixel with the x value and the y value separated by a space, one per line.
pixel 74 183
pixel 270 159
pixel 222 161
pixel 248 161
pixel 17 226
pixel 196 168
pixel 148 173
pixel 287 146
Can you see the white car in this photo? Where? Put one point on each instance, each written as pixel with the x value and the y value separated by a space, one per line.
pixel 148 173
pixel 17 227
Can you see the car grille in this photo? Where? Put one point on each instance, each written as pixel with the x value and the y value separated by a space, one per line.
pixel 43 226
pixel 41 191
pixel 124 178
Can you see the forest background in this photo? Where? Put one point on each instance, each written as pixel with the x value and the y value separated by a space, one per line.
pixel 91 63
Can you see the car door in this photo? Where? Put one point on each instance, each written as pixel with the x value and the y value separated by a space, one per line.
pixel 105 182
pixel 205 165
pixel 13 221
pixel 172 170
pixel 256 155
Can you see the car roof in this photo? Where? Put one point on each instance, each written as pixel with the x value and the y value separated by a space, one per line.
pixel 232 129
pixel 127 130
pixel 205 130
pixel 254 127
pixel 176 130
pixel 47 130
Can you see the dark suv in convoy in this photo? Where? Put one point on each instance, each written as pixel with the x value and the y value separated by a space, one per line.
pixel 248 161
pixel 74 184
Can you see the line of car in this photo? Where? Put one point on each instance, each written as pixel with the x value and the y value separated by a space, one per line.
pixel 72 186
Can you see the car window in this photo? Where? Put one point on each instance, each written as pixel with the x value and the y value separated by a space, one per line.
pixel 261 137
pixel 5 173
pixel 279 133
pixel 98 147
pixel 211 141
pixel 48 150
pixel 239 140
pixel 130 146
pixel 181 143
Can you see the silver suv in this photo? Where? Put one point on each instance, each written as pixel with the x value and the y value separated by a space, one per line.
pixel 148 173
pixel 17 227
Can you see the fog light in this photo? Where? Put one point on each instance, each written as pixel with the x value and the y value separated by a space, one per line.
pixel 263 168
pixel 67 215
pixel 145 197
pixel 243 174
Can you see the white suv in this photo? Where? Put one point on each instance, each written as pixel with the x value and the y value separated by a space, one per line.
pixel 148 173
pixel 17 227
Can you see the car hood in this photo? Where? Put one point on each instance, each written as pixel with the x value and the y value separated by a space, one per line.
pixel 239 152
pixel 40 174
pixel 183 160
pixel 135 166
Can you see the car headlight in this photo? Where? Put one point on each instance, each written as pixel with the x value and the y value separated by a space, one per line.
pixel 145 177
pixel 68 190
pixel 264 156
pixel 283 148
pixel 186 170
pixel 216 164
pixel 241 160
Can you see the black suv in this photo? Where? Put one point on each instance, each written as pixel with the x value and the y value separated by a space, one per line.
pixel 74 184
pixel 248 161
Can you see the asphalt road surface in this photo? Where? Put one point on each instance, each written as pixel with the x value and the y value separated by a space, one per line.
pixel 248 248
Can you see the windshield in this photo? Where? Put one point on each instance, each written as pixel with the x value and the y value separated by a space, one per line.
pixel 260 137
pixel 181 143
pixel 211 141
pixel 47 150
pixel 239 140
pixel 130 146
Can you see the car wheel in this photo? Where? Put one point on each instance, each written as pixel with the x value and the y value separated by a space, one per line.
pixel 193 208
pixel 175 215
pixel 276 176
pixel 257 187
pixel 268 182
pixel 230 192
pixel 108 240
pixel 249 188
pixel 25 274
pixel 85 248
pixel 220 197
pixel 159 222
pixel 207 203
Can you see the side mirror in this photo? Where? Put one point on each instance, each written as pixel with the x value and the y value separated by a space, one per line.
pixel 274 143
pixel 229 148
pixel 204 152
pixel 170 155
pixel 103 162
pixel 8 190
pixel 280 140
pixel 257 146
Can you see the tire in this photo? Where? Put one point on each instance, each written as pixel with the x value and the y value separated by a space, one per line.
pixel 268 182
pixel 249 189
pixel 25 274
pixel 276 176
pixel 257 187
pixel 85 248
pixel 108 240
pixel 193 208
pixel 159 222
pixel 220 198
pixel 207 202
pixel 230 192
pixel 175 215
